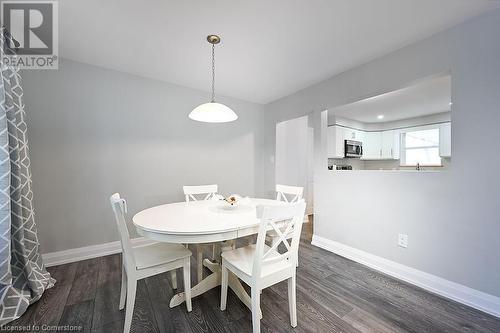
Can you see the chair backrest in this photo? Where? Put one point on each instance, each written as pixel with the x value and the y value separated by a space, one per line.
pixel 284 220
pixel 119 206
pixel 288 193
pixel 206 191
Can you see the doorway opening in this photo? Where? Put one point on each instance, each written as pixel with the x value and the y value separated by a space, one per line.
pixel 294 161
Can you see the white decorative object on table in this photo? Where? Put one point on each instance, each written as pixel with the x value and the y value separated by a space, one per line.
pixel 233 204
pixel 231 209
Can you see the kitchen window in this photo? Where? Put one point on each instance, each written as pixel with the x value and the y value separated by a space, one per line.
pixel 421 148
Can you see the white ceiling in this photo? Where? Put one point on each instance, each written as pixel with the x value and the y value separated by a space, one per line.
pixel 425 98
pixel 269 49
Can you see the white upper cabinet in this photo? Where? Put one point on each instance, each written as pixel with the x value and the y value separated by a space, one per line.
pixel 445 140
pixel 390 144
pixel 352 134
pixel 336 136
pixel 382 145
pixel 372 145
pixel 335 141
pixel 360 135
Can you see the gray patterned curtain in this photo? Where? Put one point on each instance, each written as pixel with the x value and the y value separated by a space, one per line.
pixel 23 277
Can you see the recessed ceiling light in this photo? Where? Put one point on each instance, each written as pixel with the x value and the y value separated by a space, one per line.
pixel 380 116
pixel 451 103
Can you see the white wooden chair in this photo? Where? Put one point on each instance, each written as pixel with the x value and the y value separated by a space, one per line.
pixel 288 194
pixel 203 192
pixel 195 193
pixel 261 266
pixel 144 261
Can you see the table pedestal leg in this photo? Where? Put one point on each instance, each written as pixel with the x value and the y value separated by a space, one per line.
pixel 213 266
pixel 212 281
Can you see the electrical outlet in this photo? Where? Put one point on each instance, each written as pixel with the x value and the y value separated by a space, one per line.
pixel 403 240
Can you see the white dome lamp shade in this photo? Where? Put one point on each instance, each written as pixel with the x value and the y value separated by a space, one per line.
pixel 213 112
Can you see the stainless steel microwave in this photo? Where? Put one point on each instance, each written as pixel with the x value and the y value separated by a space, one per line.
pixel 353 149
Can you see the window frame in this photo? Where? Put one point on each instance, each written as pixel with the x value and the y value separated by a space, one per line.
pixel 403 148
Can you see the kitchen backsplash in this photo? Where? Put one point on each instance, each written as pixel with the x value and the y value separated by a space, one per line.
pixel 358 164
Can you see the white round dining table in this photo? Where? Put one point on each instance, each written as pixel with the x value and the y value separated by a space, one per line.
pixel 203 222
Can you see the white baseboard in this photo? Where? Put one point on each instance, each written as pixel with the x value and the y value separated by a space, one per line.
pixel 452 290
pixel 88 252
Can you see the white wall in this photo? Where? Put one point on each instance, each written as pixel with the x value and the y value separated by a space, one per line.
pixel 291 152
pixel 294 155
pixel 93 132
pixel 452 218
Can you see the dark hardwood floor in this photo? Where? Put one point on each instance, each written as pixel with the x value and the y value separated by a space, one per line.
pixel 333 295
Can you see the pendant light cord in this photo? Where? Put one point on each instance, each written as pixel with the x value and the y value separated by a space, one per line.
pixel 213 73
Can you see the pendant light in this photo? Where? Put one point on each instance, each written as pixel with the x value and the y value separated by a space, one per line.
pixel 213 112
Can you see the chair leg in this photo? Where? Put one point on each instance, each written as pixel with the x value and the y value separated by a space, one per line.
pixel 173 275
pixel 199 262
pixel 223 290
pixel 292 301
pixel 213 252
pixel 186 272
pixel 255 310
pixel 274 240
pixel 129 310
pixel 123 289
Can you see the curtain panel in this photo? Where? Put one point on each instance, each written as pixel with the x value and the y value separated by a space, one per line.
pixel 23 277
